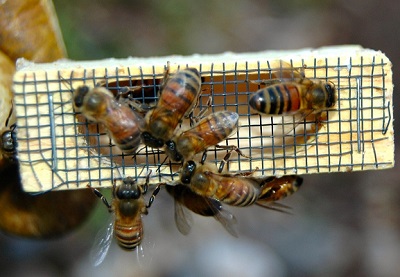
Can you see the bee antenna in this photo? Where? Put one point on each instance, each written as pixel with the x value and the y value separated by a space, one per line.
pixel 121 174
pixel 10 113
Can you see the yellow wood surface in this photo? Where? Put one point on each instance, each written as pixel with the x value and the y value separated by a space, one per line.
pixel 55 151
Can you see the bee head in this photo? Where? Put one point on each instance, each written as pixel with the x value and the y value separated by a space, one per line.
pixel 151 141
pixel 79 95
pixel 331 97
pixel 128 190
pixel 188 170
pixel 8 139
pixel 172 152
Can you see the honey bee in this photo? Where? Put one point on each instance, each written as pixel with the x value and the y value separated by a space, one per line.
pixel 240 189
pixel 100 106
pixel 128 206
pixel 232 189
pixel 293 93
pixel 178 96
pixel 185 198
pixel 290 93
pixel 299 95
pixel 207 132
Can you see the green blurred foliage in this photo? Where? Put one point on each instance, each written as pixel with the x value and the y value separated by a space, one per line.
pixel 120 28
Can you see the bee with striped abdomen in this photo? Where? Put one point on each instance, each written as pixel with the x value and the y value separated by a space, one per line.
pixel 179 94
pixel 209 131
pixel 237 189
pixel 293 95
pixel 208 181
pixel 128 206
pixel 99 105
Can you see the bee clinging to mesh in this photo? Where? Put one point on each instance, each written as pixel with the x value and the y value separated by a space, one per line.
pixel 178 96
pixel 237 189
pixel 294 94
pixel 99 105
pixel 209 131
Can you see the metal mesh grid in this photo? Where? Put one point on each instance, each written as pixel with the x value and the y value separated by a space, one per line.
pixel 59 149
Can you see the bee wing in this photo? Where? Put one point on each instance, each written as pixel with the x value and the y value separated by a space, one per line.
pixel 183 219
pixel 226 218
pixel 273 206
pixel 145 253
pixel 102 242
pixel 288 134
pixel 282 72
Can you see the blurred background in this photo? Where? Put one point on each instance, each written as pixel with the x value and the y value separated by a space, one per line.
pixel 345 224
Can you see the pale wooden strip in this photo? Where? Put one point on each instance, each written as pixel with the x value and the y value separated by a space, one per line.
pixel 54 153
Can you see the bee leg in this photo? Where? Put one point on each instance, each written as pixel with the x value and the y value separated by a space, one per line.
pixel 165 79
pixel 266 82
pixel 246 173
pixel 203 111
pixel 204 157
pixel 224 161
pixel 233 148
pixel 154 194
pixel 162 163
pixel 138 106
pixel 146 184
pixel 124 92
pixel 101 196
pixel 194 119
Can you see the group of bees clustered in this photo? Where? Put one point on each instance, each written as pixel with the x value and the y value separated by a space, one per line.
pixel 202 186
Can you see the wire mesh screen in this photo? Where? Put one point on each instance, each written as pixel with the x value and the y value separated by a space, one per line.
pixel 59 149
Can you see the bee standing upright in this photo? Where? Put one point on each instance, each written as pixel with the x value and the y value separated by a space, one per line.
pixel 128 206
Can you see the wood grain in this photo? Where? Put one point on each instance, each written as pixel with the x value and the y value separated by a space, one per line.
pixel 58 150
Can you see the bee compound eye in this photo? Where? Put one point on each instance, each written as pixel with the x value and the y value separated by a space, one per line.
pixel 170 145
pixel 80 94
pixel 188 171
pixel 330 89
pixel 128 194
pixel 151 141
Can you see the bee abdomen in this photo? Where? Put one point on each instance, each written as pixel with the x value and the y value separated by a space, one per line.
pixel 128 237
pixel 241 195
pixel 183 87
pixel 224 123
pixel 130 144
pixel 276 99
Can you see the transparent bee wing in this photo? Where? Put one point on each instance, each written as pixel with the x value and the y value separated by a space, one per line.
pixel 226 218
pixel 145 252
pixel 273 206
pixel 183 219
pixel 102 242
pixel 287 134
pixel 282 72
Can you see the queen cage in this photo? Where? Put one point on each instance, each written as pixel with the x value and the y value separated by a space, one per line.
pixel 59 149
